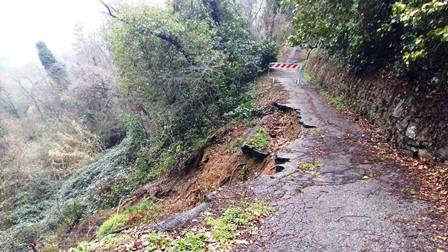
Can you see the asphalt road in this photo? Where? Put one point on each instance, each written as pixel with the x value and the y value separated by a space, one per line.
pixel 348 201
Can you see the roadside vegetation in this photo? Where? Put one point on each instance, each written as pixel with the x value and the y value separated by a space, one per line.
pixel 407 37
pixel 216 231
pixel 150 114
pixel 383 63
pixel 141 95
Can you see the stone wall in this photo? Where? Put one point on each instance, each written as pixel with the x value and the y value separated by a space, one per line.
pixel 413 119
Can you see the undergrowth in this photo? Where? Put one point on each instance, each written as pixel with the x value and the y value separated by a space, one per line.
pixel 219 232
pixel 146 211
pixel 309 166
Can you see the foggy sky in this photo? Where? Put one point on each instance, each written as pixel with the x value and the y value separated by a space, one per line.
pixel 24 22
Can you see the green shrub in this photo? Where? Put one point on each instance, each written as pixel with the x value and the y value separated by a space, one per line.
pixel 2 132
pixel 260 141
pixel 406 36
pixel 244 172
pixel 117 192
pixel 223 230
pixel 113 223
pixel 157 239
pixel 84 246
pixel 424 38
pixel 210 68
pixel 73 212
pixel 135 130
pixel 241 113
pixel 191 242
pixel 144 212
pixel 23 235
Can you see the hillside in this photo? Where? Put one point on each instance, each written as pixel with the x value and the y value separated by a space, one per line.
pixel 169 129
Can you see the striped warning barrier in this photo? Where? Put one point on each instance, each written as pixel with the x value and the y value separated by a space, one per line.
pixel 293 67
pixel 284 66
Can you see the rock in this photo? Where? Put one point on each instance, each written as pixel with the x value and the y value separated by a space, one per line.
pixel 411 132
pixel 398 109
pixel 281 160
pixel 442 153
pixel 251 152
pixel 307 126
pixel 114 137
pixel 279 168
pixel 424 154
pixel 181 219
pixel 283 107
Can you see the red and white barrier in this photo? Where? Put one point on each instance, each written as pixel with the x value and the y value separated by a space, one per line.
pixel 285 66
pixel 293 67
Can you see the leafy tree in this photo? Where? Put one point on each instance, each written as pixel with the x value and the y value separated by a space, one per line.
pixel 425 37
pixel 188 68
pixel 406 36
pixel 54 68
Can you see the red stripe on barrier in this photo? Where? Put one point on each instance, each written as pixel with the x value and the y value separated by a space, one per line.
pixel 286 66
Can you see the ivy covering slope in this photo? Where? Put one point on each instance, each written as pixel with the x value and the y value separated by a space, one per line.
pixel 185 72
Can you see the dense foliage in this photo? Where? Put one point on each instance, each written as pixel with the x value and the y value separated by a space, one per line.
pixel 425 36
pixel 132 103
pixel 407 36
pixel 186 67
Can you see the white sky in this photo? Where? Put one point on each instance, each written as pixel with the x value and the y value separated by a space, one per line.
pixel 24 22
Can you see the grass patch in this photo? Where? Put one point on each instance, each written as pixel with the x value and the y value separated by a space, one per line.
pixel 337 101
pixel 410 191
pixel 85 246
pixel 309 166
pixel 145 212
pixel 307 74
pixel 224 228
pixel 109 242
pixel 239 142
pixel 191 242
pixel 219 233
pixel 260 141
pixel 316 132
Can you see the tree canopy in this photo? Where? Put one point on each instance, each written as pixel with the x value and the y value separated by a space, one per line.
pixel 186 66
pixel 54 68
pixel 407 36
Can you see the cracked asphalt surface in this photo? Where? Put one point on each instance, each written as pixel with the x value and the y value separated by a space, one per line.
pixel 350 203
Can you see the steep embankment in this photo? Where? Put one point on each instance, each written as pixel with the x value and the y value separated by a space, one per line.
pixel 242 150
pixel 70 199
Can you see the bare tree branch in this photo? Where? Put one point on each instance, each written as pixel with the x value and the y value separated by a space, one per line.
pixel 110 10
pixel 30 95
